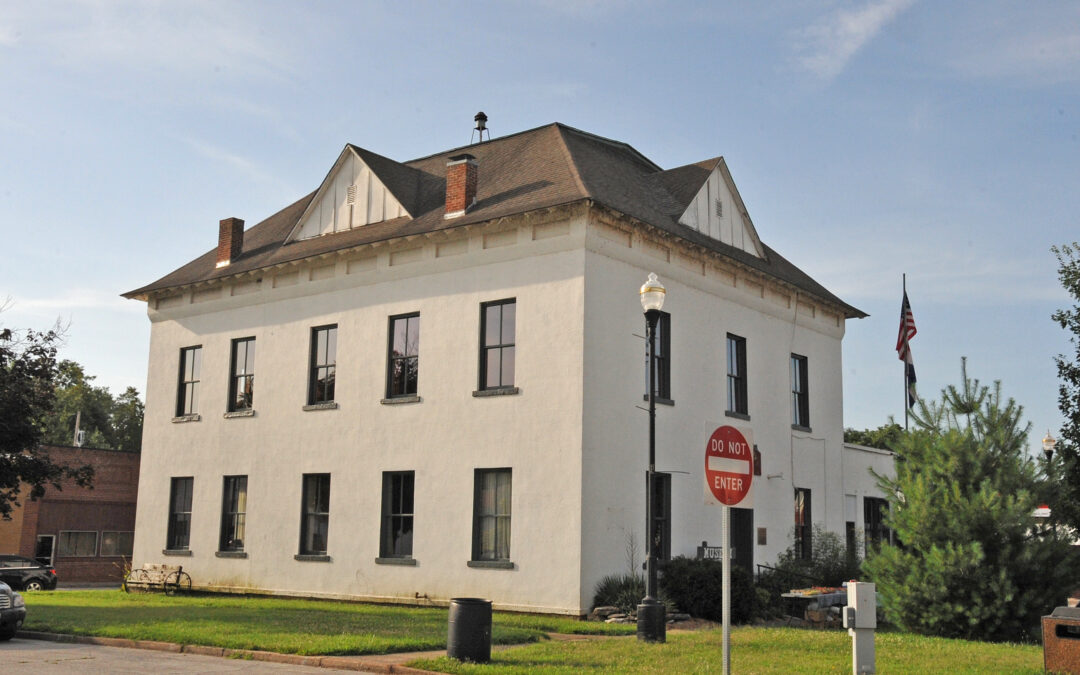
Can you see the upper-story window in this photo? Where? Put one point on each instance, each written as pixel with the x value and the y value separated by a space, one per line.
pixel 187 396
pixel 402 359
pixel 736 374
pixel 662 353
pixel 323 364
pixel 497 339
pixel 800 392
pixel 242 379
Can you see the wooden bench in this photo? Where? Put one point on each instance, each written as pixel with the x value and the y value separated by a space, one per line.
pixel 171 579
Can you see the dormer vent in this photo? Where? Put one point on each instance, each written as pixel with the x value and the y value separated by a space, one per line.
pixel 462 173
pixel 230 240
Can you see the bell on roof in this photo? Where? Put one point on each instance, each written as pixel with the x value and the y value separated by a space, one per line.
pixel 481 127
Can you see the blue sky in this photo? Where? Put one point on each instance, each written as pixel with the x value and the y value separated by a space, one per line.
pixel 868 139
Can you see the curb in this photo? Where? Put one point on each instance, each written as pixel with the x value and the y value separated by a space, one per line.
pixel 355 663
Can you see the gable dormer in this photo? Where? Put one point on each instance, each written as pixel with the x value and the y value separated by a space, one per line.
pixel 352 195
pixel 717 210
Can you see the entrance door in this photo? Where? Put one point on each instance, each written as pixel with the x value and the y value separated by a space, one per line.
pixel 43 553
pixel 742 538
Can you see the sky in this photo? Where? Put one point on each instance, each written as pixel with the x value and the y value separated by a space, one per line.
pixel 868 139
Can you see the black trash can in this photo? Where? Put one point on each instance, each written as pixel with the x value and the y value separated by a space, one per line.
pixel 468 635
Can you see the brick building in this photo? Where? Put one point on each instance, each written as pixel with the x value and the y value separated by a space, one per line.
pixel 85 533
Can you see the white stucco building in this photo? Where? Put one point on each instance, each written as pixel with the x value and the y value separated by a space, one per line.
pixel 424 380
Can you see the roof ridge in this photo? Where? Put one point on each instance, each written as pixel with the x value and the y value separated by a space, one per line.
pixel 470 145
pixel 569 155
pixel 610 141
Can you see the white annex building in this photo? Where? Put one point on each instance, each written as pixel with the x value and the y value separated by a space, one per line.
pixel 425 380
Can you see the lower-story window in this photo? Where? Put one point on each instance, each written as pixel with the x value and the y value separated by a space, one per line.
pixel 491 515
pixel 179 532
pixel 77 544
pixel 117 544
pixel 233 513
pixel 803 524
pixel 315 519
pixel 875 532
pixel 397 515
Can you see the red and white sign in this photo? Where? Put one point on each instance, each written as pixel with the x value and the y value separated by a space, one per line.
pixel 729 465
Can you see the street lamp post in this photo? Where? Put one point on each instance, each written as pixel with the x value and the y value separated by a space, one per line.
pixel 1048 444
pixel 651 615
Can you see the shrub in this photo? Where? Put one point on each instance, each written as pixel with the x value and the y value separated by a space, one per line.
pixel 696 587
pixel 830 564
pixel 624 591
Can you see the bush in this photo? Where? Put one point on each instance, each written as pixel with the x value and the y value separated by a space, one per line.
pixel 624 591
pixel 829 565
pixel 696 587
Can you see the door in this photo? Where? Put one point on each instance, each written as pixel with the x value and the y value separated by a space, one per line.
pixel 742 538
pixel 44 551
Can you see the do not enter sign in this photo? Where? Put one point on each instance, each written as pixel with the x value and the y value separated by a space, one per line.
pixel 729 465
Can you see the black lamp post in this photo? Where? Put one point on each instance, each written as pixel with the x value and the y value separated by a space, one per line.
pixel 1048 444
pixel 651 614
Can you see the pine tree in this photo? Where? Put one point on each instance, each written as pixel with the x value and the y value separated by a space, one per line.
pixel 970 560
pixel 1066 465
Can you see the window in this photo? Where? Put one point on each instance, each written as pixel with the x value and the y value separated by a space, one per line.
pixel 800 392
pixel 233 513
pixel 874 531
pixel 316 514
pixel 662 354
pixel 803 524
pixel 187 397
pixel 179 533
pixel 736 374
pixel 402 359
pixel 116 544
pixel 323 364
pixel 242 380
pixel 397 515
pixel 662 516
pixel 77 544
pixel 491 515
pixel 497 339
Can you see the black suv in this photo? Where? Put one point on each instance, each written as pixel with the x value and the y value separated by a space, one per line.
pixel 25 574
pixel 12 612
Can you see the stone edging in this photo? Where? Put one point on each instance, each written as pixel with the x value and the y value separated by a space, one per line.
pixel 356 663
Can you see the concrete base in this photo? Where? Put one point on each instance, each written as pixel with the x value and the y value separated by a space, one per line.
pixel 652 622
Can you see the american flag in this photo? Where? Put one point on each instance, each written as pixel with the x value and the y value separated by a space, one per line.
pixel 903 348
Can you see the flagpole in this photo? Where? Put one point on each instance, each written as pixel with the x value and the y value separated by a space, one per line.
pixel 906 383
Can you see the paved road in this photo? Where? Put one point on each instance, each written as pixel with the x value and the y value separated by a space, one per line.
pixel 38 656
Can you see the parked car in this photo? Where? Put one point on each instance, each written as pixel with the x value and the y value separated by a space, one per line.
pixel 25 574
pixel 12 612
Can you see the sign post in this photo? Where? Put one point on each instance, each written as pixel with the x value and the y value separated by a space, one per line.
pixel 729 471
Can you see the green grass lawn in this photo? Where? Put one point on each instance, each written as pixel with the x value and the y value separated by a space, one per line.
pixel 273 624
pixel 754 650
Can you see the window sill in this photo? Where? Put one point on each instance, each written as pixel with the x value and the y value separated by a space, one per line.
pixel 328 405
pixel 231 554
pixel 240 413
pixel 491 564
pixel 497 391
pixel 401 399
pixel 180 419
pixel 799 427
pixel 307 557
pixel 661 401
pixel 411 562
pixel 737 415
pixel 172 551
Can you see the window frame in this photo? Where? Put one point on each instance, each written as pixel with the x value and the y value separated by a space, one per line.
pixel 188 404
pixel 803 544
pixel 738 400
pixel 492 555
pixel 408 359
pixel 178 516
pixel 119 538
pixel 76 554
pixel 234 496
pixel 329 366
pixel 875 532
pixel 800 391
pixel 392 513
pixel 248 374
pixel 502 346
pixel 313 480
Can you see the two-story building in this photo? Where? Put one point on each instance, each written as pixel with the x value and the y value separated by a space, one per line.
pixel 425 380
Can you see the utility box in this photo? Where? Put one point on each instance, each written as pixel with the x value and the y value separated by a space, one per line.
pixel 860 618
pixel 1061 640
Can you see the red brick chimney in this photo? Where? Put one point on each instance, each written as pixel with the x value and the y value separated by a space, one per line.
pixel 230 240
pixel 461 178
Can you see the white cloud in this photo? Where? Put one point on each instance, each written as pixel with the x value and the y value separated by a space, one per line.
pixel 827 46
